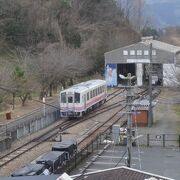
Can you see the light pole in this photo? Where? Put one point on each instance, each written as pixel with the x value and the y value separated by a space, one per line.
pixel 150 116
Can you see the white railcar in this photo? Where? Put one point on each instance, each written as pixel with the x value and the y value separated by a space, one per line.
pixel 80 98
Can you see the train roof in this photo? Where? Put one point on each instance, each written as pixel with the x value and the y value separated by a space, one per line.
pixel 64 144
pixel 85 85
pixel 51 156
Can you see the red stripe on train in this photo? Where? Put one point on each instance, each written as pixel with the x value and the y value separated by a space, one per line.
pixel 89 104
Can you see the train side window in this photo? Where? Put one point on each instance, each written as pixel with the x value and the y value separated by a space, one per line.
pixel 101 89
pixel 94 93
pixel 77 98
pixel 63 97
pixel 91 94
pixel 70 99
pixel 88 96
pixel 98 91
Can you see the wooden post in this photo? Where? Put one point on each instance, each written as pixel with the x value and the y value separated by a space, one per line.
pixel 163 140
pixel 148 140
pixel 92 146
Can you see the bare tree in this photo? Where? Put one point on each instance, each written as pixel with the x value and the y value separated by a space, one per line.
pixel 55 64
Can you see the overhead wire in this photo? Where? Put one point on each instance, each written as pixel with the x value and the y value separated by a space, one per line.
pixel 121 158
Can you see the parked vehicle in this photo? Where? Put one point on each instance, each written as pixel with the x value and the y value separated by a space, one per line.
pixel 80 98
pixel 51 161
pixel 68 146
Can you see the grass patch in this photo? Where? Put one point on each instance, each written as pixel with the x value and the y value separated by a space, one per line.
pixel 156 122
pixel 2 116
pixel 176 108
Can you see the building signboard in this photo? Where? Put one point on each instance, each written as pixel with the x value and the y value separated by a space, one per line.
pixel 138 61
pixel 111 75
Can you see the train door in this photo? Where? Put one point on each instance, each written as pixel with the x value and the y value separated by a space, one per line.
pixel 70 101
pixel 84 99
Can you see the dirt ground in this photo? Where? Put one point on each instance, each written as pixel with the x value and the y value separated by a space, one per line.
pixel 29 107
pixel 166 113
pixel 166 120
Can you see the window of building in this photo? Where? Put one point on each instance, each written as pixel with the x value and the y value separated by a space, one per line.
pixel 154 52
pixel 132 52
pixel 146 52
pixel 125 52
pixel 139 52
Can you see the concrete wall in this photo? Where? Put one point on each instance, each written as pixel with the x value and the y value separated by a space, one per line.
pixel 28 125
pixel 5 143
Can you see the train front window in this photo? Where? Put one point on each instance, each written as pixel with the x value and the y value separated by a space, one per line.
pixel 77 98
pixel 63 97
pixel 70 99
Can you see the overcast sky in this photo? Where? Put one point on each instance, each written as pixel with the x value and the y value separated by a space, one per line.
pixel 161 1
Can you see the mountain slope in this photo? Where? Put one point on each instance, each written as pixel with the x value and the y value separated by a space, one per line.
pixel 165 12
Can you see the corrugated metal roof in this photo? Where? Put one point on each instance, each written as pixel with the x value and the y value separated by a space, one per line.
pixel 49 177
pixel 120 173
pixel 162 46
pixel 155 44
pixel 142 104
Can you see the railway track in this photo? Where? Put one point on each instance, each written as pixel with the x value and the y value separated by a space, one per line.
pixel 66 124
pixel 102 128
pixel 15 153
pixel 108 123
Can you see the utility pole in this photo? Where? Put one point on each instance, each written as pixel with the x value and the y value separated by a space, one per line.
pixel 150 116
pixel 129 117
pixel 44 106
pixel 129 121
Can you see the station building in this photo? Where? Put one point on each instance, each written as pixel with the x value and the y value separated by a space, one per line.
pixel 135 59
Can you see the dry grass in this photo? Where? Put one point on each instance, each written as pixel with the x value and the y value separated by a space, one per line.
pixel 176 108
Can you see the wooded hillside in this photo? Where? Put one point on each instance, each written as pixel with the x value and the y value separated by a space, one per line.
pixel 45 43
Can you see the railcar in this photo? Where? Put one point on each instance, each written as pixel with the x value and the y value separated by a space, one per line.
pixel 50 162
pixel 80 98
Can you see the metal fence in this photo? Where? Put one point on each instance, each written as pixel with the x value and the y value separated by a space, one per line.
pixel 163 140
pixel 98 144
pixel 83 154
pixel 30 123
